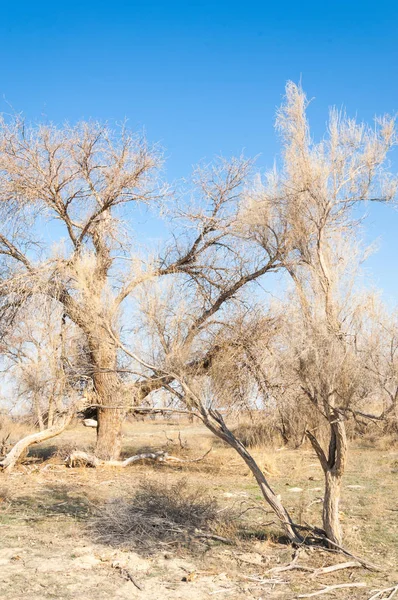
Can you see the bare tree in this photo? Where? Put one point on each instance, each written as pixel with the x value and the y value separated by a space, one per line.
pixel 379 350
pixel 318 185
pixel 42 362
pixel 86 181
pixel 195 391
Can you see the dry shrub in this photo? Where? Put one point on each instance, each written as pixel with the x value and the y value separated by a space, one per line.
pixel 377 438
pixel 256 434
pixel 158 515
pixel 5 494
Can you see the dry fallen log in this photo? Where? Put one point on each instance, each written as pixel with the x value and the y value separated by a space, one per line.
pixel 330 588
pixel 11 459
pixel 79 458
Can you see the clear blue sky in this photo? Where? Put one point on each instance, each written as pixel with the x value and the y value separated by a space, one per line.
pixel 205 77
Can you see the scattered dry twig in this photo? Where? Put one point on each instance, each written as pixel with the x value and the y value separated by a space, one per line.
pixel 380 594
pixel 330 588
pixel 347 565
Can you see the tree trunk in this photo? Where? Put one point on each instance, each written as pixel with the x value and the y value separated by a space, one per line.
pixel 331 519
pixel 221 430
pixel 107 385
pixel 271 498
pixel 39 415
pixel 109 433
pixel 333 467
pixel 51 409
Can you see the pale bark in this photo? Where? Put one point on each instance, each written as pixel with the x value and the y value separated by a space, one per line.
pixel 37 407
pixel 51 411
pixel 331 502
pixel 89 460
pixel 9 462
pixel 333 467
pixel 214 421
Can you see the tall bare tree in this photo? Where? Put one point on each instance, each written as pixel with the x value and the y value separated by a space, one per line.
pixel 318 185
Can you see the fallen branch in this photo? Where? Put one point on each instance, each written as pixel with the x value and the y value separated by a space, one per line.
pixel 212 536
pixel 291 566
pixel 261 581
pixel 11 459
pixel 364 563
pixel 347 565
pixel 89 460
pixel 320 541
pixel 380 593
pixel 330 588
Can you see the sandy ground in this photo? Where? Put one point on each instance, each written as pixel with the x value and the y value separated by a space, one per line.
pixel 49 550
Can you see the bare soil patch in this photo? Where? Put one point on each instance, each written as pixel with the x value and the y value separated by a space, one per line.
pixel 52 546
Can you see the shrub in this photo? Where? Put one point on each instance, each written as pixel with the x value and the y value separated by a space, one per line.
pixel 157 514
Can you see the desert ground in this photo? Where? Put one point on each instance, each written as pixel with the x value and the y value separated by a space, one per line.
pixel 61 527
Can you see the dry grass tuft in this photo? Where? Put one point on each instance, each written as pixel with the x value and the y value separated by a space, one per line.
pixel 158 515
pixel 259 433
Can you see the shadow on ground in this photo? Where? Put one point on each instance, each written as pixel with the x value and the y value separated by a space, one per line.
pixel 51 502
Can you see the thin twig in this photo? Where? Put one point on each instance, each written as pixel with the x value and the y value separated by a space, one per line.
pixel 330 588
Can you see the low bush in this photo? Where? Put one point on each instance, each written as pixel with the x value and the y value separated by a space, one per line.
pixel 158 515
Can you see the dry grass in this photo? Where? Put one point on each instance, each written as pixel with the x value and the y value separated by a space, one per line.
pixel 45 509
pixel 159 514
pixel 257 433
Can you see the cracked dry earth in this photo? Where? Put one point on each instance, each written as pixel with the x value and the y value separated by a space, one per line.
pixel 65 567
pixel 90 572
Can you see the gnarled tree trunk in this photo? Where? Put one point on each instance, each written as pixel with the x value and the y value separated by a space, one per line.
pixel 12 458
pixel 107 385
pixel 333 467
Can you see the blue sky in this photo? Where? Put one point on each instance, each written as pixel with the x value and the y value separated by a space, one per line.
pixel 204 78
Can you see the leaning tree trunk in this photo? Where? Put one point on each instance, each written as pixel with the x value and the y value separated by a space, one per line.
pixel 214 421
pixel 12 458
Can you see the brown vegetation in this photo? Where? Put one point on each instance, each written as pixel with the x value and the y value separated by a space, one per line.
pixel 97 327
